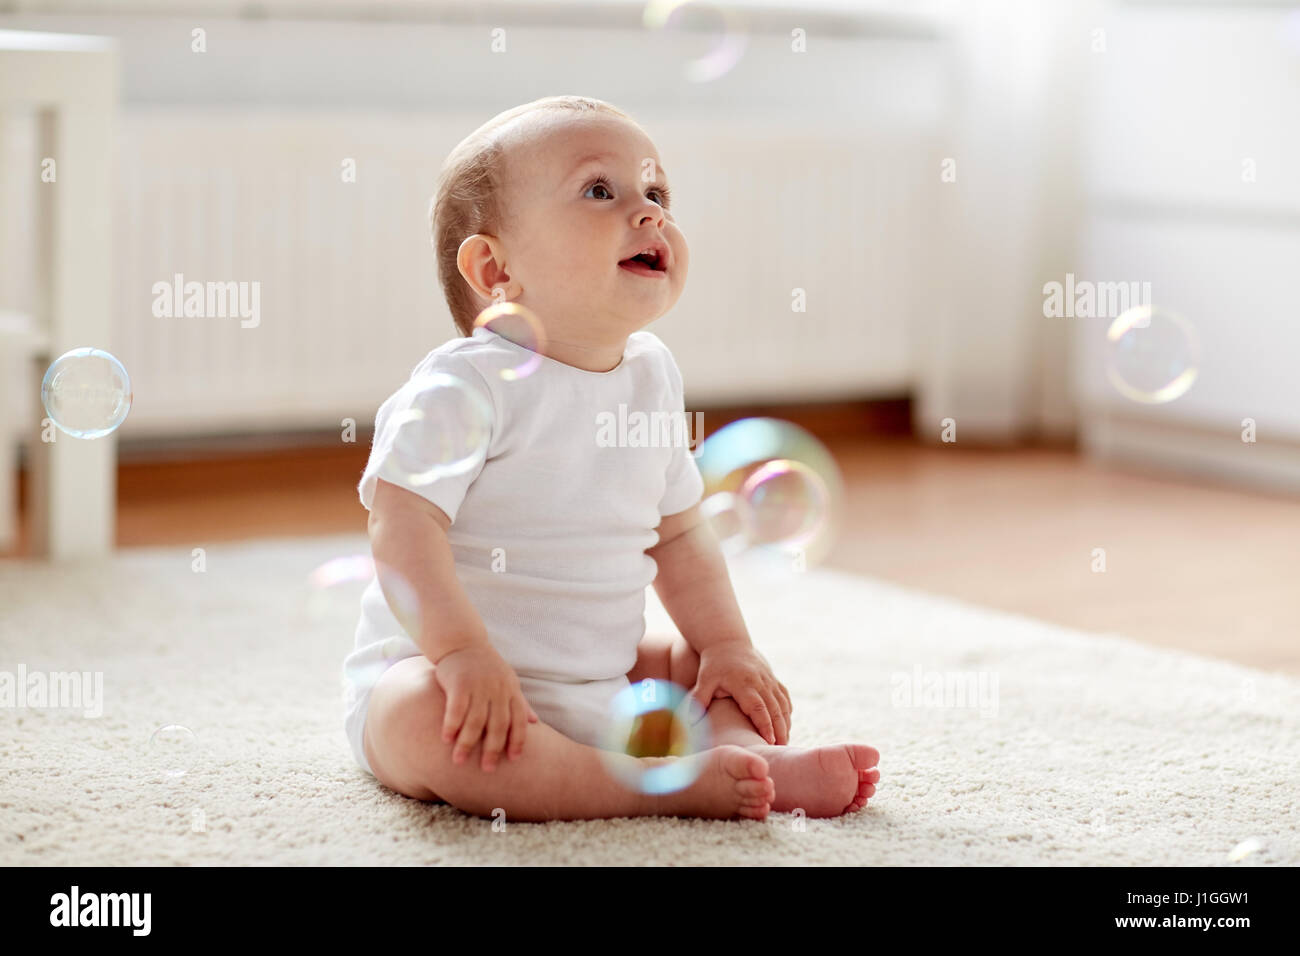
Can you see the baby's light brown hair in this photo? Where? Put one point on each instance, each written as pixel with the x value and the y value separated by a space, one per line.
pixel 468 197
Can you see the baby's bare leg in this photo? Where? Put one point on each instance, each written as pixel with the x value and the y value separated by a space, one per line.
pixel 555 778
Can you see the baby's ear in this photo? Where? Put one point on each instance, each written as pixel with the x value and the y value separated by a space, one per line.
pixel 479 261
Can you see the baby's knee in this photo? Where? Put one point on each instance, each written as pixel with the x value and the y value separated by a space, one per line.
pixel 684 663
pixel 419 700
pixel 403 731
pixel 654 655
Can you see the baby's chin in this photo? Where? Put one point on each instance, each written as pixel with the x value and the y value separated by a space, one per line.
pixel 614 306
pixel 632 318
pixel 623 316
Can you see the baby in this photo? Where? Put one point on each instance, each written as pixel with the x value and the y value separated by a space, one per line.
pixel 530 569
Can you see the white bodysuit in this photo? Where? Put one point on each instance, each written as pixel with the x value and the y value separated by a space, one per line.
pixel 550 528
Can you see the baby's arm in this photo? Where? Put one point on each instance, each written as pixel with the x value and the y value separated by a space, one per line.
pixel 695 589
pixel 693 583
pixel 409 535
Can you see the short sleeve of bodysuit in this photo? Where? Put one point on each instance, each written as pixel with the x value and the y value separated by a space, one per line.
pixel 432 434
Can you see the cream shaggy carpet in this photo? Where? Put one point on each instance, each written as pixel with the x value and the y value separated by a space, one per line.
pixel 1082 749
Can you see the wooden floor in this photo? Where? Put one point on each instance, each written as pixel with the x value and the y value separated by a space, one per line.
pixel 1208 569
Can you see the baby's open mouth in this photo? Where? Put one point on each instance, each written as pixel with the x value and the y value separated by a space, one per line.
pixel 645 263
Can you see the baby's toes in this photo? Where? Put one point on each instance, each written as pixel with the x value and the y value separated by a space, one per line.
pixel 865 792
pixel 756 797
pixel 863 757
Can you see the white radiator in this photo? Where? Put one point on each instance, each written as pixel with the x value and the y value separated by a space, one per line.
pixel 348 295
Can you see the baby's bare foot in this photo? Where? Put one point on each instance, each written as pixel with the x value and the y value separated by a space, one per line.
pixel 823 781
pixel 732 781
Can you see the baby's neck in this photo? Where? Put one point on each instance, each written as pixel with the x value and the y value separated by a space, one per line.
pixel 589 357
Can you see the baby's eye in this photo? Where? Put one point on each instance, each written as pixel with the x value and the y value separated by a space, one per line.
pixel 603 184
pixel 598 184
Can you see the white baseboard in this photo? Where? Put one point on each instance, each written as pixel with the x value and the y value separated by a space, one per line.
pixel 1221 455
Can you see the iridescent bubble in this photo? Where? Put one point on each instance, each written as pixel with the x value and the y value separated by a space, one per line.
pixel 443 432
pixel 654 718
pixel 519 324
pixel 86 392
pixel 788 481
pixel 173 750
pixel 336 589
pixel 1152 355
pixel 729 517
pixel 1245 849
pixel 789 502
pixel 401 598
pixel 688 15
pixel 352 567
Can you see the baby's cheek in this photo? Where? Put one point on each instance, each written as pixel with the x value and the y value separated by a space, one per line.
pixel 681 260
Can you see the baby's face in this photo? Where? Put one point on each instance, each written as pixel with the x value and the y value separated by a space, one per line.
pixel 571 218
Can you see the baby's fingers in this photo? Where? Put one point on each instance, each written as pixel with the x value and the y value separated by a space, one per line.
pixel 454 716
pixel 497 727
pixel 787 704
pixel 519 712
pixel 756 710
pixel 781 722
pixel 471 731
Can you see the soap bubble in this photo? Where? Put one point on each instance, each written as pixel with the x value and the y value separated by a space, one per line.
pixel 655 718
pixel 334 588
pixel 727 49
pixel 786 490
pixel 1245 849
pixel 173 750
pixel 337 586
pixel 353 567
pixel 1153 355
pixel 444 432
pixel 86 392
pixel 789 502
pixel 729 517
pixel 518 324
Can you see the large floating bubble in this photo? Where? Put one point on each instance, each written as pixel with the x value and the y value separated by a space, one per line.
pixel 655 718
pixel 681 16
pixel 86 392
pixel 518 324
pixel 770 488
pixel 1152 355
pixel 442 433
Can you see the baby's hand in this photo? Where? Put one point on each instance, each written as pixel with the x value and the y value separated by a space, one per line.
pixel 735 669
pixel 483 694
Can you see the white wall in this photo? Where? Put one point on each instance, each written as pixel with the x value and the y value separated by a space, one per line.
pixel 792 170
pixel 999 80
pixel 1185 100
